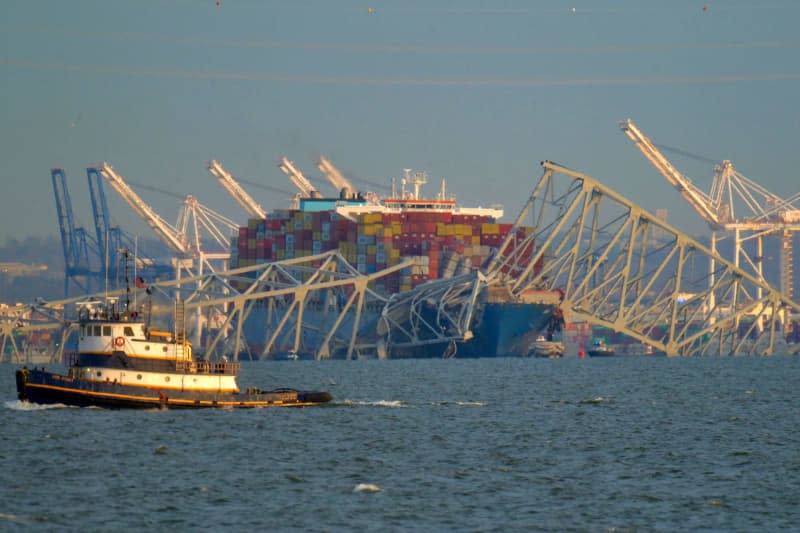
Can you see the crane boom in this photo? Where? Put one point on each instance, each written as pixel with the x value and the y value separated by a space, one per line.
pixel 165 231
pixel 696 198
pixel 339 182
pixel 301 182
pixel 253 209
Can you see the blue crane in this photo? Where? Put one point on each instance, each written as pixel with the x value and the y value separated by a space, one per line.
pixel 112 240
pixel 108 237
pixel 74 240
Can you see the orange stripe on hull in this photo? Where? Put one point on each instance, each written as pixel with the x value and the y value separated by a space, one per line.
pixel 178 402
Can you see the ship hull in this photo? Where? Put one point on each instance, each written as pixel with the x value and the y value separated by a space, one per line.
pixel 503 329
pixel 601 353
pixel 43 387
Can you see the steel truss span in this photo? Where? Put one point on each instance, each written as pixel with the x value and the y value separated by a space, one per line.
pixel 614 264
pixel 621 267
pixel 318 305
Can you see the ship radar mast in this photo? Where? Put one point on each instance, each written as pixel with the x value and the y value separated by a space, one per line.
pixel 417 178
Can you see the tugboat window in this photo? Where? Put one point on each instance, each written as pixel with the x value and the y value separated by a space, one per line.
pixel 166 379
pixel 128 331
pixel 138 376
pixel 99 374
pixel 106 331
pixel 97 331
pixel 147 347
pixel 165 349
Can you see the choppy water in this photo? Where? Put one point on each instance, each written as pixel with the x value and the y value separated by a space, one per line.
pixel 621 444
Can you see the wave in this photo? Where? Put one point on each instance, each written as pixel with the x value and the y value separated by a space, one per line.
pixel 367 487
pixel 403 403
pixel 371 403
pixel 588 401
pixel 596 400
pixel 20 405
pixel 462 403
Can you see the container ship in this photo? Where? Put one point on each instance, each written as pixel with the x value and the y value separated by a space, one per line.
pixel 443 238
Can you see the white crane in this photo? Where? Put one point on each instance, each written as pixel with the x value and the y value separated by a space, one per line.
pixel 764 212
pixel 696 198
pixel 301 182
pixel 193 256
pixel 165 231
pixel 194 220
pixel 251 207
pixel 339 182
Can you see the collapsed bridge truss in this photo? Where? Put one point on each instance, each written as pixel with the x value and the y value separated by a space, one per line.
pixel 615 264
pixel 622 268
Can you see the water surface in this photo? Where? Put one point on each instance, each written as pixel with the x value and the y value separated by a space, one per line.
pixel 615 444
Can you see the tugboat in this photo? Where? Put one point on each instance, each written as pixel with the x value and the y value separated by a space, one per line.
pixel 600 349
pixel 121 362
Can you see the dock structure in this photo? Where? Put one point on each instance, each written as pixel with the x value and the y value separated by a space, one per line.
pixel 614 264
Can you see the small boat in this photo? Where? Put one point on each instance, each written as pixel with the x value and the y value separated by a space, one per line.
pixel 542 347
pixel 121 362
pixel 600 349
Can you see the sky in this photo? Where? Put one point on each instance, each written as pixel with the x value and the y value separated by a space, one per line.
pixel 474 94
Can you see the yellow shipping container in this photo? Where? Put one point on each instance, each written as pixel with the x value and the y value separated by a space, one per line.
pixel 251 244
pixel 317 235
pixel 397 228
pixel 394 253
pixel 252 223
pixel 372 249
pixel 371 218
pixel 307 225
pixel 387 231
pixel 476 240
pixel 490 229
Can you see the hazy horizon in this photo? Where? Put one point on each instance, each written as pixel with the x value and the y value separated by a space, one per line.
pixel 476 95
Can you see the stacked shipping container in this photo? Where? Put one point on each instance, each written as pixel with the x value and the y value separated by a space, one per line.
pixel 445 243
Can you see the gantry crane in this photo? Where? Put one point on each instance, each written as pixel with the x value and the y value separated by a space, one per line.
pixel 112 239
pixel 193 254
pixel 77 267
pixel 296 177
pixel 765 212
pixel 251 207
pixel 339 182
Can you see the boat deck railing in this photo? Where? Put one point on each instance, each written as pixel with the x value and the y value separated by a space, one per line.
pixel 207 367
pixel 190 367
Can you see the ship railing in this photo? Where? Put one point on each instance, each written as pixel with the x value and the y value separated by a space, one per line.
pixel 208 367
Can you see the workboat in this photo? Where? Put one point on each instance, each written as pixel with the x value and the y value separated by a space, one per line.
pixel 545 346
pixel 600 349
pixel 122 362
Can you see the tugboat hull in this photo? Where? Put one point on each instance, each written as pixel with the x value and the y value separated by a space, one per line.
pixel 43 387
